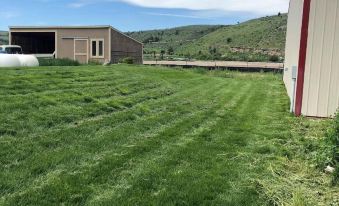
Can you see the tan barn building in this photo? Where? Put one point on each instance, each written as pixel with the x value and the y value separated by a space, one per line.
pixel 83 43
pixel 311 71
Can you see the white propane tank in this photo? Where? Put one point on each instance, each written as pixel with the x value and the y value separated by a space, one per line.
pixel 9 60
pixel 18 60
pixel 28 60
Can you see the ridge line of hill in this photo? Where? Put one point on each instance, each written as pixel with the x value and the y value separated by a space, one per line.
pixel 261 39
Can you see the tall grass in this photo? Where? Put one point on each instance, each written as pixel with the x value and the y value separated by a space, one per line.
pixel 333 146
pixel 326 152
pixel 58 62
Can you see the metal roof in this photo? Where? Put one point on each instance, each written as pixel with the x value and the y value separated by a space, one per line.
pixel 60 27
pixel 74 27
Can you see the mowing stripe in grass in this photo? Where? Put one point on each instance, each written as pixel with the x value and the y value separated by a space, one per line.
pixel 89 110
pixel 142 163
pixel 48 85
pixel 71 87
pixel 91 116
pixel 51 108
pixel 174 157
pixel 92 80
pixel 124 155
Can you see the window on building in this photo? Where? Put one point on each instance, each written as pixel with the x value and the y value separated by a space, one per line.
pixel 101 48
pixel 94 48
pixel 97 48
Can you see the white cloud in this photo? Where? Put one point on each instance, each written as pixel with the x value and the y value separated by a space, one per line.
pixel 8 14
pixel 251 6
pixel 77 4
pixel 82 3
pixel 175 15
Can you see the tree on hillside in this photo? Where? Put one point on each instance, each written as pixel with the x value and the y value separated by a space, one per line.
pixel 170 51
pixel 162 52
pixel 213 50
pixel 151 39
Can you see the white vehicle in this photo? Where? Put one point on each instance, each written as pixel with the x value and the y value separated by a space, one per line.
pixel 10 49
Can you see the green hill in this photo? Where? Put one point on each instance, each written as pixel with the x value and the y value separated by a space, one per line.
pixel 3 37
pixel 157 40
pixel 260 39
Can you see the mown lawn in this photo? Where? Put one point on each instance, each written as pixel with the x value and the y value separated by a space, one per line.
pixel 134 135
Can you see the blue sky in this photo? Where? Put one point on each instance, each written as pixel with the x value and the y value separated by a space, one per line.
pixel 134 15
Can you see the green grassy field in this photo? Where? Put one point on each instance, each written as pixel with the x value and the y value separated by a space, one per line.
pixel 135 135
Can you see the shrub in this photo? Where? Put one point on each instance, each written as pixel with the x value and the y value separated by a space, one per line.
pixel 334 142
pixel 151 39
pixel 94 62
pixel 162 53
pixel 58 62
pixel 200 70
pixel 328 153
pixel 127 60
pixel 274 58
pixel 170 51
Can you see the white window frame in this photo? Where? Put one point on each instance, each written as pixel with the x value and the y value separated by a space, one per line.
pixel 97 48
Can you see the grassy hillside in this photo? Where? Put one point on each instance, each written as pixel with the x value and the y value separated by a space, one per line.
pixel 3 37
pixel 258 39
pixel 263 36
pixel 135 135
pixel 157 40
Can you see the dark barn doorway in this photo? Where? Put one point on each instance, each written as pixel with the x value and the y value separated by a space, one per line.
pixel 34 42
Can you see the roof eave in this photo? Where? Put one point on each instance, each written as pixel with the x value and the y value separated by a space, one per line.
pixel 60 27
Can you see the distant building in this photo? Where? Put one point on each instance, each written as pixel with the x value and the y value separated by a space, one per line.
pixel 312 57
pixel 82 43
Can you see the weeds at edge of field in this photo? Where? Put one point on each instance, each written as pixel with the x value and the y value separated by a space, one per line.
pixel 58 62
pixel 298 179
pixel 331 145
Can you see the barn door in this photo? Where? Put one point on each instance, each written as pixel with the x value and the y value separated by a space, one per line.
pixel 81 50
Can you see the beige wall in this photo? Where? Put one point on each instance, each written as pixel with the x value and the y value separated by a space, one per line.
pixel 116 44
pixel 66 46
pixel 292 41
pixel 321 87
pixel 123 46
pixel 64 52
